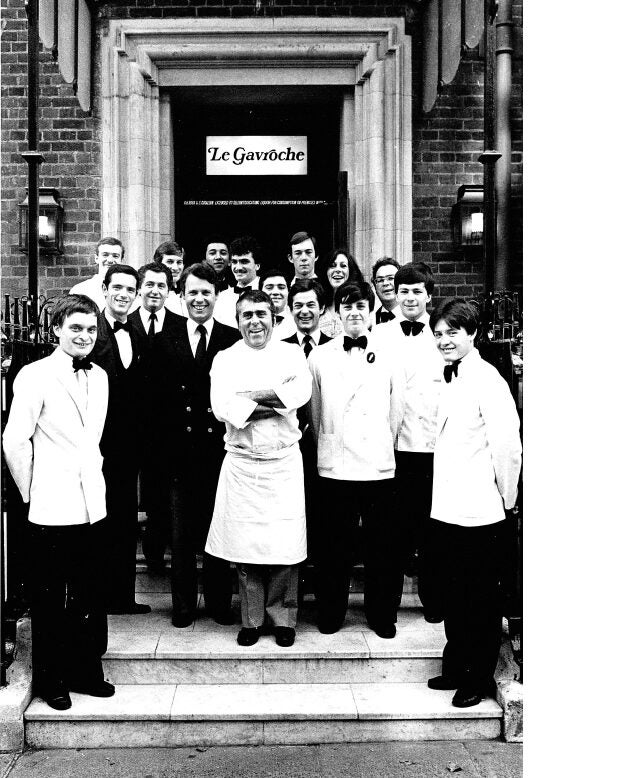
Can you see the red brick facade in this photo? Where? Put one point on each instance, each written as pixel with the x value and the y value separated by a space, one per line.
pixel 446 142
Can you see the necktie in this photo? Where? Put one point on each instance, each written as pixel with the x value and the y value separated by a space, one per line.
pixel 451 370
pixel 411 327
pixel 382 316
pixel 279 319
pixel 119 325
pixel 81 363
pixel 240 289
pixel 201 349
pixel 307 345
pixel 349 343
pixel 152 326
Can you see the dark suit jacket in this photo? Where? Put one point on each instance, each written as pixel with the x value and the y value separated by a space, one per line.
pixel 186 429
pixel 171 319
pixel 121 428
pixel 294 339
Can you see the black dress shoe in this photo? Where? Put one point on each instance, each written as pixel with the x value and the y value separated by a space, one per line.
pixel 433 619
pixel 443 682
pixel 386 631
pixel 248 636
pixel 466 698
pixel 98 689
pixel 329 627
pixel 182 620
pixel 285 636
pixel 133 608
pixel 222 617
pixel 58 699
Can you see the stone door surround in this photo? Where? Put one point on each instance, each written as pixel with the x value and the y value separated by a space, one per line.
pixel 369 58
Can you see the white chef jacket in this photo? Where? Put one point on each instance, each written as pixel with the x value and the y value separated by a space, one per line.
pixel 176 304
pixel 224 309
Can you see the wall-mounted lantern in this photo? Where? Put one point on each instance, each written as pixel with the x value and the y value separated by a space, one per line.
pixel 49 222
pixel 467 217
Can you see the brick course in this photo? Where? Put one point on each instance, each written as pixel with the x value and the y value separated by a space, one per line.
pixel 446 142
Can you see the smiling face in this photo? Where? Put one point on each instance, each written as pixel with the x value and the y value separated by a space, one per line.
pixel 119 295
pixel 217 255
pixel 306 311
pixel 355 317
pixel 154 291
pixel 452 342
pixel 175 263
pixel 255 322
pixel 77 334
pixel 338 271
pixel 277 289
pixel 383 283
pixel 106 256
pixel 303 256
pixel 200 297
pixel 413 299
pixel 244 268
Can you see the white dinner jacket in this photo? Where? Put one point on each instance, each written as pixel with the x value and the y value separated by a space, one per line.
pixel 52 443
pixel 355 409
pixel 478 452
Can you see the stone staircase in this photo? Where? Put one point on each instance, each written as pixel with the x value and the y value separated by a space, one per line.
pixel 197 687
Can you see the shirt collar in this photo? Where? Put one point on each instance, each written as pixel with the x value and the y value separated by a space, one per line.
pixel 424 319
pixel 192 326
pixel 110 318
pixel 145 314
pixel 315 336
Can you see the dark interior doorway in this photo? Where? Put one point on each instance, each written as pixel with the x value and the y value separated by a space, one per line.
pixel 199 112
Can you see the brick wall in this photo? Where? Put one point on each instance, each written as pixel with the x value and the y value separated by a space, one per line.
pixel 446 142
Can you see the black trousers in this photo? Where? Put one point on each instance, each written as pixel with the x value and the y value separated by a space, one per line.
pixel 413 488
pixel 471 565
pixel 192 496
pixel 68 616
pixel 121 529
pixel 156 537
pixel 343 504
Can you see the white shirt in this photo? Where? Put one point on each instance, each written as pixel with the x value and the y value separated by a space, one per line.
pixel 314 336
pixel 92 287
pixel 194 335
pixel 423 369
pixel 176 304
pixel 145 316
pixel 123 339
pixel 286 327
pixel 225 307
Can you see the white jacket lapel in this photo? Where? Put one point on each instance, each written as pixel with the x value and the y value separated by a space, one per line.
pixel 70 382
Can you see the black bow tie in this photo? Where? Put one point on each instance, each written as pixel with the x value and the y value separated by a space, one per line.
pixel 119 325
pixel 451 370
pixel 81 363
pixel 349 343
pixel 382 316
pixel 240 289
pixel 279 319
pixel 411 327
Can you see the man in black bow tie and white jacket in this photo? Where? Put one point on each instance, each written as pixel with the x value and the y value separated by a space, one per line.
pixel 356 408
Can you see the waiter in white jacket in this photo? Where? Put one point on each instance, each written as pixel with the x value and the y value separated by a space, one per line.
pixel 476 466
pixel 51 444
pixel 259 519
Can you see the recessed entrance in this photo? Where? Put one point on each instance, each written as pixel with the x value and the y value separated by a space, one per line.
pixel 208 204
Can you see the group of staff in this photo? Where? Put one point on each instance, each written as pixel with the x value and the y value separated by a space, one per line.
pixel 267 413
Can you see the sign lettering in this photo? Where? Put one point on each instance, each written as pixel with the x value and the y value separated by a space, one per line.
pixel 256 155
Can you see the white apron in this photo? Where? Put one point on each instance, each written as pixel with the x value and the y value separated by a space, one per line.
pixel 259 515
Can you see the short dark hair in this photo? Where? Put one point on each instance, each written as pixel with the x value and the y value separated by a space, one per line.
pixel 127 269
pixel 168 248
pixel 156 267
pixel 69 304
pixel 308 285
pixel 457 313
pixel 299 237
pixel 246 245
pixel 201 270
pixel 255 296
pixel 110 242
pixel 380 263
pixel 417 273
pixel 353 292
pixel 215 238
pixel 273 272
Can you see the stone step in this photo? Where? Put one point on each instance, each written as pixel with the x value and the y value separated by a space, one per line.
pixel 149 650
pixel 255 714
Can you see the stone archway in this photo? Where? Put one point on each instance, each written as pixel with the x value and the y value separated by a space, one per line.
pixel 369 57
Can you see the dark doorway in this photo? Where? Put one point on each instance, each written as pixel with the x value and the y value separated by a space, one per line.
pixel 205 205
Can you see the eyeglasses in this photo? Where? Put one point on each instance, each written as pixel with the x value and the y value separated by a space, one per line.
pixel 383 279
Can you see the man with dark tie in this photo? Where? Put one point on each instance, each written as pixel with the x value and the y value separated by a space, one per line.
pixel 118 351
pixel 383 273
pixel 148 321
pixel 409 338
pixel 356 408
pixel 306 302
pixel 477 460
pixel 274 283
pixel 246 258
pixel 192 440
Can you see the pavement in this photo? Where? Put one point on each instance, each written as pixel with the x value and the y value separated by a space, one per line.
pixel 435 759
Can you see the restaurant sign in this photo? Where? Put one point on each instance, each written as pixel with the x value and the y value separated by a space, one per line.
pixel 256 155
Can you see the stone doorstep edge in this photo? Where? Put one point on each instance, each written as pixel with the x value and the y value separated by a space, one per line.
pixel 17 694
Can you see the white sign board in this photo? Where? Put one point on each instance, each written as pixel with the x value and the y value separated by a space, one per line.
pixel 256 155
